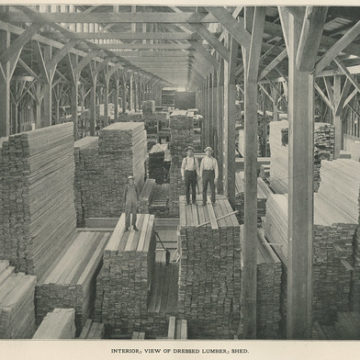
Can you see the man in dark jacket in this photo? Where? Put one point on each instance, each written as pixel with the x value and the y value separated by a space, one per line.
pixel 131 198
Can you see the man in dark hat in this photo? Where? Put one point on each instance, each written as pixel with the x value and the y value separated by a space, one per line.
pixel 209 173
pixel 131 197
pixel 189 172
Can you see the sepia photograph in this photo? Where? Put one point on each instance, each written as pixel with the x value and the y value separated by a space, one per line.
pixel 185 175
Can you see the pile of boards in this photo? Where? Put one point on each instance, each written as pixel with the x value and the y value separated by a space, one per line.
pixel 324 139
pixel 37 212
pixel 17 309
pixel 102 169
pixel 146 196
pixel 130 117
pixel 177 329
pixel 92 330
pixel 240 197
pixel 58 324
pixel 346 327
pixel 332 252
pixel 70 283
pixel 209 269
pixel 148 106
pixel 182 133
pixel 160 200
pixel 125 279
pixel 156 162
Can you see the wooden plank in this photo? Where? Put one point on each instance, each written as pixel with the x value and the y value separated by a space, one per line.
pixel 114 35
pixel 273 64
pixel 310 38
pixel 115 47
pixel 323 96
pixel 346 72
pixel 338 47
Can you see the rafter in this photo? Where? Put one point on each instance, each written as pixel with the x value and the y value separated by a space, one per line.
pixel 273 64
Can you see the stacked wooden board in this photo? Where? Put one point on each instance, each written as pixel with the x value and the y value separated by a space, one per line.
pixel 58 324
pixel 240 197
pixel 148 107
pixel 125 278
pixel 269 271
pixel 332 252
pixel 209 270
pixel 70 282
pixel 138 335
pixel 146 196
pixel 156 162
pixel 17 309
pixel 37 214
pixel 177 328
pixel 324 138
pixel 160 201
pixel 182 132
pixel 92 330
pixel 103 169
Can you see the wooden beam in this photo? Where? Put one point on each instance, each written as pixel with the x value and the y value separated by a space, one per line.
pixel 300 192
pixel 205 54
pixel 262 87
pixel 329 90
pixel 350 97
pixel 310 38
pixel 86 61
pixel 323 96
pixel 337 117
pixel 234 27
pixel 273 64
pixel 211 39
pixel 346 72
pixel 4 87
pixel 284 28
pixel 26 67
pixel 338 47
pixel 115 47
pixel 114 18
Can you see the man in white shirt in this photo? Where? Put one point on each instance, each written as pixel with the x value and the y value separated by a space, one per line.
pixel 189 171
pixel 209 173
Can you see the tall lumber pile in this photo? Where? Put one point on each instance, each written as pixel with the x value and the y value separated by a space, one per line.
pixel 240 197
pixel 70 283
pixel 58 324
pixel 160 201
pixel 102 169
pixel 37 214
pixel 92 330
pixel 146 196
pixel 209 272
pixel 181 129
pixel 125 279
pixel 156 162
pixel 148 106
pixel 324 140
pixel 332 252
pixel 17 309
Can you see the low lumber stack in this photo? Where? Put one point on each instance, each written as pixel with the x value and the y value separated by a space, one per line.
pixel 156 162
pixel 92 330
pixel 70 283
pixel 332 252
pixel 58 324
pixel 102 169
pixel 146 196
pixel 209 272
pixel 182 133
pixel 160 201
pixel 324 139
pixel 17 309
pixel 177 329
pixel 124 281
pixel 148 106
pixel 37 214
pixel 240 197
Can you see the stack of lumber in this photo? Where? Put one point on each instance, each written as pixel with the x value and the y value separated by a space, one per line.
pixel 102 169
pixel 324 138
pixel 148 106
pixel 70 283
pixel 240 198
pixel 209 272
pixel 347 327
pixel 124 281
pixel 182 132
pixel 177 329
pixel 87 172
pixel 151 123
pixel 269 272
pixel 146 196
pixel 156 162
pixel 130 117
pixel 138 335
pixel 265 171
pixel 58 324
pixel 92 330
pixel 332 252
pixel 163 121
pixel 17 309
pixel 160 200
pixel 37 215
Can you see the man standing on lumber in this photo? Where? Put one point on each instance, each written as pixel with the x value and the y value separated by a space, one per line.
pixel 189 172
pixel 209 173
pixel 131 197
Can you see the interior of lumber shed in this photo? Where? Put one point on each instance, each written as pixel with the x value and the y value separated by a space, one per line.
pixel 106 103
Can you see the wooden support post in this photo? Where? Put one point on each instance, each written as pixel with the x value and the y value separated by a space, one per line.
pixel 131 92
pixel 47 118
pixel 93 113
pixel 337 117
pixel 214 118
pixel 116 97
pixel 74 107
pixel 124 92
pixel 5 87
pixel 220 123
pixel 255 21
pixel 106 100
pixel 136 94
pixel 300 196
